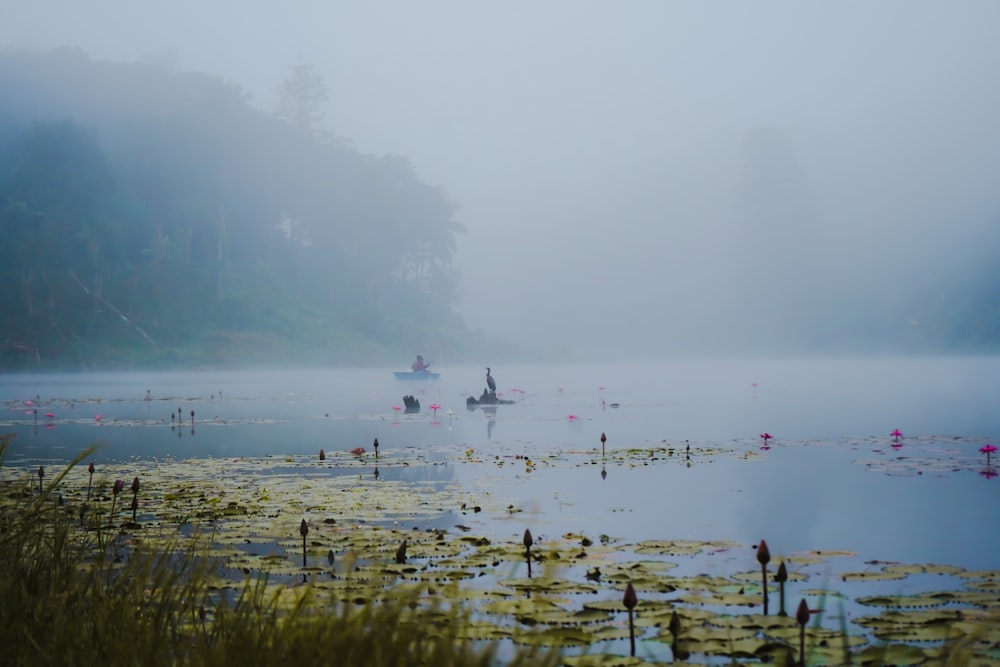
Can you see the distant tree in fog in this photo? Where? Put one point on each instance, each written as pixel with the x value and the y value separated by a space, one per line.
pixel 301 97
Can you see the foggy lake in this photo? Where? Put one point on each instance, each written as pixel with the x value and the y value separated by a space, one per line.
pixel 829 479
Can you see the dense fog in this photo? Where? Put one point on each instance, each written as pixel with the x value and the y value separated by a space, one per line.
pixel 643 177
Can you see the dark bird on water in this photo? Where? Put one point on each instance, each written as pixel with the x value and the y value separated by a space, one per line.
pixel 490 382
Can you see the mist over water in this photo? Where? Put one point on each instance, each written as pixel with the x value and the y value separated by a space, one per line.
pixel 815 489
pixel 554 405
pixel 650 180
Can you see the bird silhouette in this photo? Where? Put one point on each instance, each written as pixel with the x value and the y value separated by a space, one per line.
pixel 490 382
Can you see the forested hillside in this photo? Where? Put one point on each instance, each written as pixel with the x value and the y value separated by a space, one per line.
pixel 152 218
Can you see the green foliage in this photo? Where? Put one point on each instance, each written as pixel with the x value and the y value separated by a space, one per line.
pixel 145 212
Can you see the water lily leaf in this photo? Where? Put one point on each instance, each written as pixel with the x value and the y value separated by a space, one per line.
pixel 722 599
pixel 823 593
pixel 923 569
pixel 992 575
pixel 603 660
pixel 891 654
pixel 558 637
pixel 615 605
pixel 479 630
pixel 544 584
pixel 910 601
pixel 753 622
pixel 678 547
pixel 877 575
pixel 754 576
pixel 818 556
pixel 989 585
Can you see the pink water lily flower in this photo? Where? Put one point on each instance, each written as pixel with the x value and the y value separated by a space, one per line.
pixel 766 437
pixel 896 434
pixel 987 449
pixel 435 407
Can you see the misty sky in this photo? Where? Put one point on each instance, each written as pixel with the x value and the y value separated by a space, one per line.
pixel 633 173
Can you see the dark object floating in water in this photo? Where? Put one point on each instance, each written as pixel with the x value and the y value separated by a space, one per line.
pixel 488 398
pixel 416 375
pixel 411 404
pixel 614 405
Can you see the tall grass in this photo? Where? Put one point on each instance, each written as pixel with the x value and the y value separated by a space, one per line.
pixel 85 595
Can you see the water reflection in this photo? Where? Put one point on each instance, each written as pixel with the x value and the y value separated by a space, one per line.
pixel 807 490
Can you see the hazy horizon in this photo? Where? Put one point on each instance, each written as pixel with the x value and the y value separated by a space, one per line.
pixel 642 176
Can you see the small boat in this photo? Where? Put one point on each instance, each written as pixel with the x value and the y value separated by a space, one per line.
pixel 416 375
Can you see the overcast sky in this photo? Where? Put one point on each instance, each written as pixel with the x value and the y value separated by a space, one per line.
pixel 628 170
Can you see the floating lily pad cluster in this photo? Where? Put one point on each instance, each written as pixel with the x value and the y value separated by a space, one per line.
pixel 332 526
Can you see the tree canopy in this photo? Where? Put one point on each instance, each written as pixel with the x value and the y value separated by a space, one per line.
pixel 156 218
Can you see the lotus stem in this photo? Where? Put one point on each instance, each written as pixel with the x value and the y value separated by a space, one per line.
pixel 401 553
pixel 630 601
pixel 802 618
pixel 375 445
pixel 604 439
pixel 675 630
pixel 90 482
pixel 528 541
pixel 781 577
pixel 41 474
pixel 303 530
pixel 135 497
pixel 115 490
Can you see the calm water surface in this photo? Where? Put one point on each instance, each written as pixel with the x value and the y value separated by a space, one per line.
pixel 830 481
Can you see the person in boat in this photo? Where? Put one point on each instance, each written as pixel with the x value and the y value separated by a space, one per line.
pixel 419 366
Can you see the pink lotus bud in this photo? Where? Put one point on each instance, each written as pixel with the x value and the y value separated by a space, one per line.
pixel 763 553
pixel 802 615
pixel 630 600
